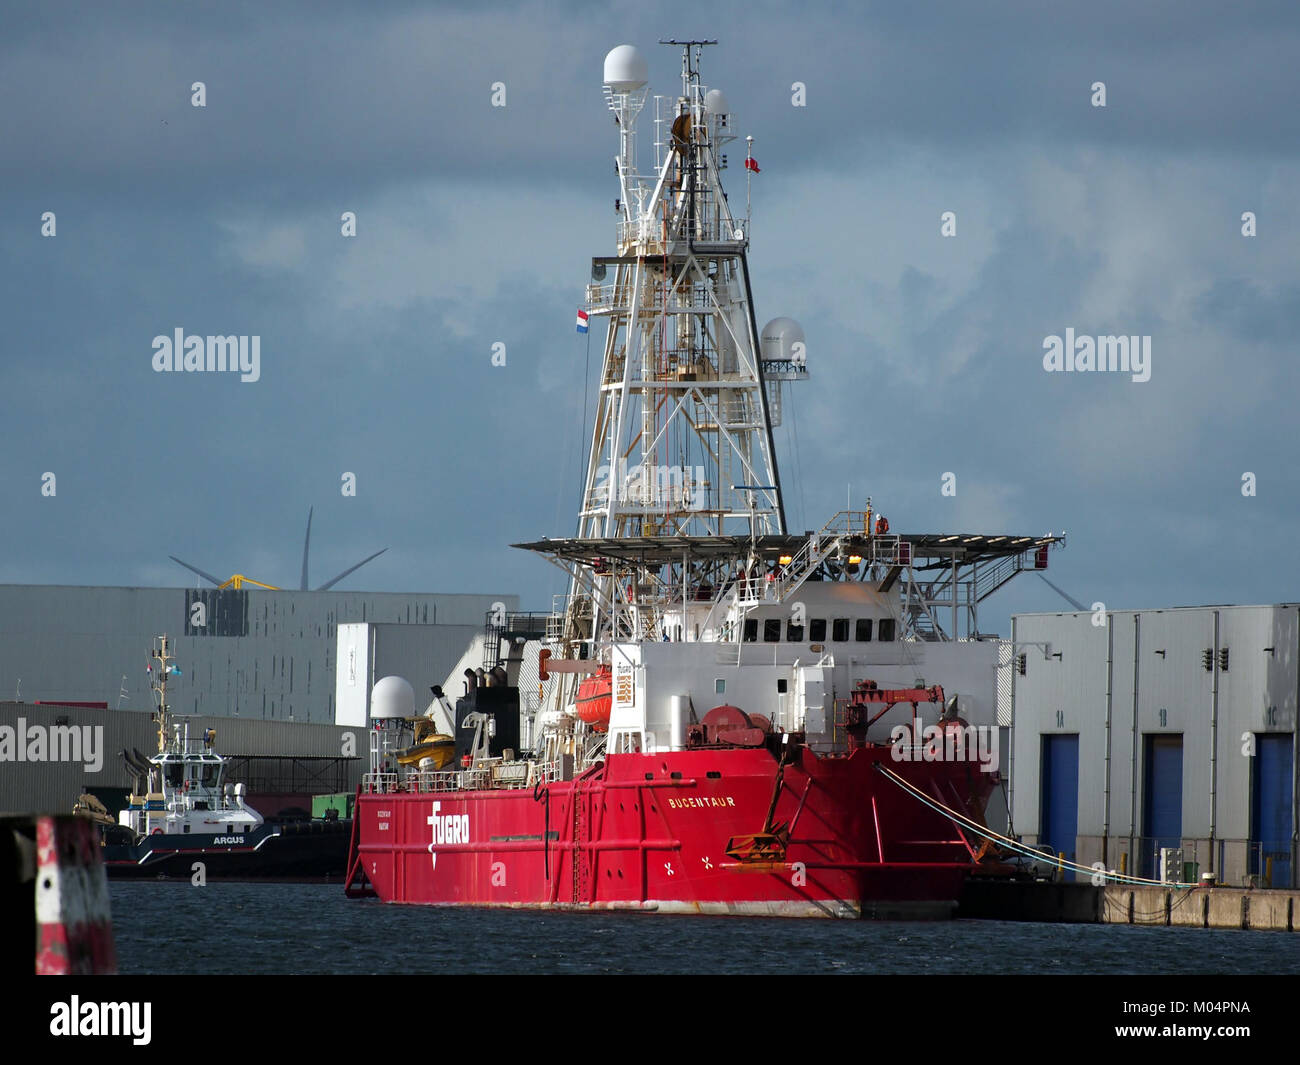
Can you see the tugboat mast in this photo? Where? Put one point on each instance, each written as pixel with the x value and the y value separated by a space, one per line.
pixel 161 655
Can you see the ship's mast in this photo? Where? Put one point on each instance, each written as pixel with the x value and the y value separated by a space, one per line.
pixel 682 444
pixel 160 654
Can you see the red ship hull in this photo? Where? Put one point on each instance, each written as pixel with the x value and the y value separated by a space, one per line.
pixel 651 832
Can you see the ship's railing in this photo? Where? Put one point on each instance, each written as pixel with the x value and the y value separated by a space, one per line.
pixel 826 545
pixel 381 783
pixel 510 775
pixel 497 775
pixel 570 617
pixel 423 780
pixel 648 233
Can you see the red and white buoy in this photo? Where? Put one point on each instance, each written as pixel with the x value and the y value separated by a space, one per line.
pixel 74 934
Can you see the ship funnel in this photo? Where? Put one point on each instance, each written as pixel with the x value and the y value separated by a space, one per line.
pixel 625 69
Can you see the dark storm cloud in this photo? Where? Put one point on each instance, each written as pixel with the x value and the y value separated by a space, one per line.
pixel 475 224
pixel 337 96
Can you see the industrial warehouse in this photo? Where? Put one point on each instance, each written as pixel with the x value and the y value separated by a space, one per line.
pixel 1160 742
pixel 260 670
pixel 258 653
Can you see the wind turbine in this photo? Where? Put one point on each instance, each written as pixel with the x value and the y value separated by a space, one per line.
pixel 239 580
pixel 1066 596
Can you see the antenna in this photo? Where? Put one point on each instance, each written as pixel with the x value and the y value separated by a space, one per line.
pixel 690 67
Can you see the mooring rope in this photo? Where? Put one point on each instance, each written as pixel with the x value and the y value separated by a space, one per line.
pixel 1006 841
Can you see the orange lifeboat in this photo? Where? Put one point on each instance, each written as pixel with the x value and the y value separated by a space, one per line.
pixel 595 697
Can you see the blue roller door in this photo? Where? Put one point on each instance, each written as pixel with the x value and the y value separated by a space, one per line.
pixel 1270 808
pixel 1162 798
pixel 1059 808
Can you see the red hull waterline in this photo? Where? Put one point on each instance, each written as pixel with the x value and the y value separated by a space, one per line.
pixel 650 832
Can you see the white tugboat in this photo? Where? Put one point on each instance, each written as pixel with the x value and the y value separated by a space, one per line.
pixel 181 811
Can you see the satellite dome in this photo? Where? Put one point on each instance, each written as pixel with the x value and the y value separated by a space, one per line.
pixel 715 103
pixel 392 697
pixel 625 69
pixel 778 338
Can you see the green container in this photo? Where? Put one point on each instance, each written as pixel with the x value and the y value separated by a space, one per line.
pixel 340 801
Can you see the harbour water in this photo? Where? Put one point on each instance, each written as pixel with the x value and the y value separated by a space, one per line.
pixel 297 929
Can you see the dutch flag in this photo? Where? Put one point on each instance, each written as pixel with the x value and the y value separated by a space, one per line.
pixel 582 321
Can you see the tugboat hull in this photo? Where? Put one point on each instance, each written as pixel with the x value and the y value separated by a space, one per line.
pixel 313 851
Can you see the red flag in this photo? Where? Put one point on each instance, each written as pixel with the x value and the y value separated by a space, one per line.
pixel 752 164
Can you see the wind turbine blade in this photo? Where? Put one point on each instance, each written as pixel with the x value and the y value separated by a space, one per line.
pixel 1064 595
pixel 351 569
pixel 195 569
pixel 306 543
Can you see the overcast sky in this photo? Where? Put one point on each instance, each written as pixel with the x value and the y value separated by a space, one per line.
pixel 475 225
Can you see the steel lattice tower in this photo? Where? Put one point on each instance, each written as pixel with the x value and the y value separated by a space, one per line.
pixel 682 443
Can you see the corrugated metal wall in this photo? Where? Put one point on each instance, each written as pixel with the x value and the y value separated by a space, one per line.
pixel 276 661
pixel 53 786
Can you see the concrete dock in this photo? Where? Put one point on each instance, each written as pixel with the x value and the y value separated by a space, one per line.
pixel 1258 909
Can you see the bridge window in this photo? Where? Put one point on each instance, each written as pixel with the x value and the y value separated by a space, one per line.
pixel 886 631
pixel 794 633
pixel 863 633
pixel 817 630
pixel 771 630
pixel 751 630
pixel 840 630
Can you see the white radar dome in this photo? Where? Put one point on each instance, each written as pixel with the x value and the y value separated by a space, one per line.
pixel 392 697
pixel 779 337
pixel 715 103
pixel 625 69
